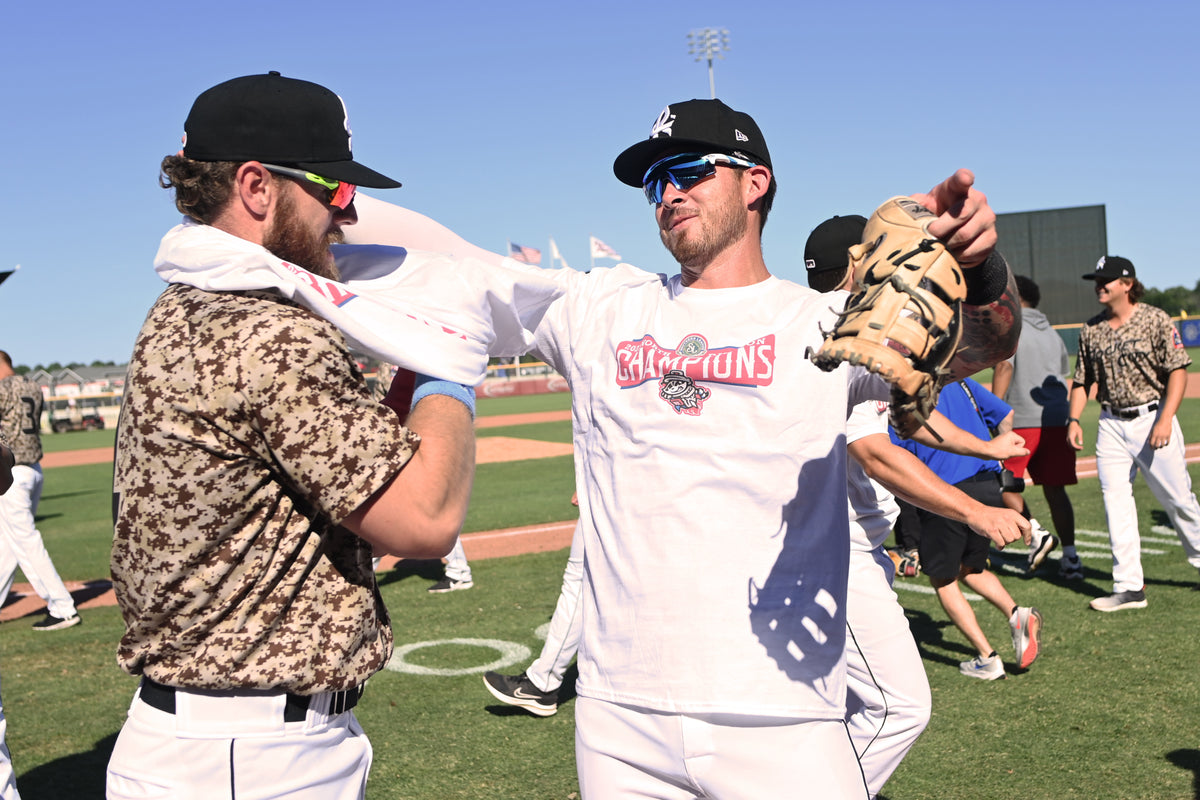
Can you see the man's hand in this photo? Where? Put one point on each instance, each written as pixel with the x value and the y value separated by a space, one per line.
pixel 965 223
pixel 1002 525
pixel 1007 445
pixel 1160 434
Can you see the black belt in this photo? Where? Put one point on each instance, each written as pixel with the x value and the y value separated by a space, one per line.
pixel 1131 413
pixel 156 695
pixel 986 475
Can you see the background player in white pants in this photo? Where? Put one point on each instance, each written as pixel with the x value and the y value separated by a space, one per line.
pixel 8 780
pixel 20 541
pixel 888 701
pixel 536 689
pixel 458 571
pixel 1134 356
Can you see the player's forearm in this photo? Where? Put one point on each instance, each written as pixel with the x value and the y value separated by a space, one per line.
pixel 907 477
pixel 421 511
pixel 991 317
pixel 954 439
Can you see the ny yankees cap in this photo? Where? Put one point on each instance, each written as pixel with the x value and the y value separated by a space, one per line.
pixel 278 120
pixel 1110 268
pixel 826 247
pixel 702 126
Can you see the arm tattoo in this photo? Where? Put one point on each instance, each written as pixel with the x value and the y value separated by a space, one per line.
pixel 990 332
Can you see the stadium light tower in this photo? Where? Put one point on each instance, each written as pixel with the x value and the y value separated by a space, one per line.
pixel 706 44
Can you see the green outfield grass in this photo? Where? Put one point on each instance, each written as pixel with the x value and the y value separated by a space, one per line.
pixel 1107 713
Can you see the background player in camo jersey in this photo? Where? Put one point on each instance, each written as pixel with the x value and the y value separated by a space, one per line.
pixel 1134 356
pixel 254 473
pixel 20 541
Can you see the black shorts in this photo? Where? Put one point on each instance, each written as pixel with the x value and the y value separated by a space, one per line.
pixel 947 546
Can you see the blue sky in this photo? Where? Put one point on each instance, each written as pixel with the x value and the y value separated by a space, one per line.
pixel 502 121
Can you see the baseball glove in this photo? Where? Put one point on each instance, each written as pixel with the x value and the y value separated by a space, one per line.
pixel 905 321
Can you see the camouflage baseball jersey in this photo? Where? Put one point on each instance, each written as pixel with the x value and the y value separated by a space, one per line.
pixel 246 434
pixel 21 418
pixel 1131 363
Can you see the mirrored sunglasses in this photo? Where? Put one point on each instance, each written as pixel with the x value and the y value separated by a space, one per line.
pixel 684 171
pixel 338 193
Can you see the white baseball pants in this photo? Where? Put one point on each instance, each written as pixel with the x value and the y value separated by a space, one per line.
pixel 888 701
pixel 237 746
pixel 623 752
pixel 457 567
pixel 8 779
pixel 1122 448
pixel 21 543
pixel 566 625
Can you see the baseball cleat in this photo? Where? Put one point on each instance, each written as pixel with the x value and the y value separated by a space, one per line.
pixel 449 585
pixel 53 623
pixel 518 690
pixel 1026 624
pixel 1120 600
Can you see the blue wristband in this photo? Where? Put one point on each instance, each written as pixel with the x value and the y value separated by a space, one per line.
pixel 425 386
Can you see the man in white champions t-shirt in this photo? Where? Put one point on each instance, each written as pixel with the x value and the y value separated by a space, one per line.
pixel 712 460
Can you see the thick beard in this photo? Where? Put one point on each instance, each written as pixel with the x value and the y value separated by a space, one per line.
pixel 697 248
pixel 291 241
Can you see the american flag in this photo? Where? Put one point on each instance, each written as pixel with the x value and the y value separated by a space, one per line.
pixel 601 250
pixel 526 255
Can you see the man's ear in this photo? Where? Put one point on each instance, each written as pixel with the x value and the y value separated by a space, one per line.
pixel 756 180
pixel 255 188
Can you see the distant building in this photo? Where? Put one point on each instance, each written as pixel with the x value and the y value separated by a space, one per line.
pixel 72 393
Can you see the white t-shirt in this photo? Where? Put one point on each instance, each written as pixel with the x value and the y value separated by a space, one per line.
pixel 873 509
pixel 712 471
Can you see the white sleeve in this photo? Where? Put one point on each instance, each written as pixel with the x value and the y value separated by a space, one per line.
pixel 866 419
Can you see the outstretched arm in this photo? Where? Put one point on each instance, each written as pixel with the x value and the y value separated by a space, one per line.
pixel 954 439
pixel 907 477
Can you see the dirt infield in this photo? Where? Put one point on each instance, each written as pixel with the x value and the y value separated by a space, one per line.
pixel 489 449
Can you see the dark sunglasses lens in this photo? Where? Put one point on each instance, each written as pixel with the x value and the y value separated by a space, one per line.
pixel 682 174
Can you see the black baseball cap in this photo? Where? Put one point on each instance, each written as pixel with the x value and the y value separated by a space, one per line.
pixel 1111 267
pixel 278 120
pixel 826 247
pixel 703 126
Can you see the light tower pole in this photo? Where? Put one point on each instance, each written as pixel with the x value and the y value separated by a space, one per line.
pixel 706 44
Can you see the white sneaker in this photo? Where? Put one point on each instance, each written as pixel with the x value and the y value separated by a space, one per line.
pixel 987 669
pixel 1040 545
pixel 1120 600
pixel 1026 625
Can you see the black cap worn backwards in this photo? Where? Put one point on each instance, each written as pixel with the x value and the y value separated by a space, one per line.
pixel 277 120
pixel 1111 267
pixel 826 247
pixel 701 126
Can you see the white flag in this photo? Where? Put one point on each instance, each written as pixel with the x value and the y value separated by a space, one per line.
pixel 555 255
pixel 601 250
